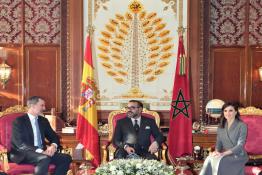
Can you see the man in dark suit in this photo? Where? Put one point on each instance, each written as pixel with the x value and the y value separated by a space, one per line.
pixel 28 141
pixel 132 133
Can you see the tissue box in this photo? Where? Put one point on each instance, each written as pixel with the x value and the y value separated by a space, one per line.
pixel 69 130
pixel 77 154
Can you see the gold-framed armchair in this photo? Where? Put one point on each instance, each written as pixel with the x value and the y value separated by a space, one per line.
pixel 253 118
pixel 6 119
pixel 108 149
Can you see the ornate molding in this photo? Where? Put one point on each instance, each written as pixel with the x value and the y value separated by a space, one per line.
pixel 100 4
pixel 250 111
pixel 201 60
pixel 68 63
pixel 14 109
pixel 171 4
pixel 205 26
pixel 64 49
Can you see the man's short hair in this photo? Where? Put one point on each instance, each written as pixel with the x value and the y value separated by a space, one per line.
pixel 33 100
pixel 139 103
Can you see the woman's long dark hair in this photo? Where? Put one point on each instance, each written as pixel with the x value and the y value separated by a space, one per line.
pixel 223 119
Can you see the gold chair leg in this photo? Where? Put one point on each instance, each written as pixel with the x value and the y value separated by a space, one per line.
pixel 4 160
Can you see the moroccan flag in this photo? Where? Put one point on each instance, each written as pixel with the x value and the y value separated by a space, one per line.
pixel 180 128
pixel 87 132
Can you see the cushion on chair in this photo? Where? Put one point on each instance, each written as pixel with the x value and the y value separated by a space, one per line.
pixel 6 129
pixel 16 169
pixel 254 139
pixel 254 135
pixel 118 117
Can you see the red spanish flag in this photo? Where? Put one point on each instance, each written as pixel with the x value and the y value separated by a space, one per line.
pixel 87 132
pixel 180 125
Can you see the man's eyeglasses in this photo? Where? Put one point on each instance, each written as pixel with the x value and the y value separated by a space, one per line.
pixel 131 107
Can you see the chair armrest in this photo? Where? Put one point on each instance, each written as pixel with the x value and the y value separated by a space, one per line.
pixel 211 149
pixel 3 159
pixel 164 146
pixel 163 152
pixel 105 151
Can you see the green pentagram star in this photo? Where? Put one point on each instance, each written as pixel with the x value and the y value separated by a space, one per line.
pixel 177 110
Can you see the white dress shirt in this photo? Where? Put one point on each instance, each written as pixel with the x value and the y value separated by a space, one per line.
pixel 32 120
pixel 138 121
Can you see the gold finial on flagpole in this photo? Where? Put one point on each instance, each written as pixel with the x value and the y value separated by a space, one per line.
pixel 181 30
pixel 90 29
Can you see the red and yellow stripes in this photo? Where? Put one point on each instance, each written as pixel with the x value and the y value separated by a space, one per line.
pixel 87 131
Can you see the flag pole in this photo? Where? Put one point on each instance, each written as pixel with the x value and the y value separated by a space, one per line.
pixel 180 122
pixel 180 31
pixel 182 58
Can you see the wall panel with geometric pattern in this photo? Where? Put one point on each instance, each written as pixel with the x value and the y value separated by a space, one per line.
pixel 11 21
pixel 255 23
pixel 237 25
pixel 30 31
pixel 227 23
pixel 42 21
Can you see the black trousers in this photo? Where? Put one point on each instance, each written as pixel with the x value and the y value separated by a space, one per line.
pixel 121 153
pixel 1 173
pixel 42 162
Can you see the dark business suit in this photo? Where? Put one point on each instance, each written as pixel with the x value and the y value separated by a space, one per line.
pixel 23 149
pixel 125 134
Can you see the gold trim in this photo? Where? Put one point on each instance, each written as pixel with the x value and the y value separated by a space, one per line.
pixel 135 92
pixel 3 158
pixel 255 157
pixel 69 112
pixel 250 111
pixel 14 109
pixel 201 67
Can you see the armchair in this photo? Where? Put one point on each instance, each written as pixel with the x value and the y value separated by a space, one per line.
pixel 108 149
pixel 253 118
pixel 6 119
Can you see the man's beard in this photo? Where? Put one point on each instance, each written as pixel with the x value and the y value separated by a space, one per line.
pixel 131 114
